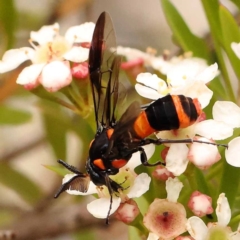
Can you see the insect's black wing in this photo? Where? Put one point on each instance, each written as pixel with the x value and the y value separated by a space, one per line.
pixel 78 182
pixel 103 68
pixel 124 129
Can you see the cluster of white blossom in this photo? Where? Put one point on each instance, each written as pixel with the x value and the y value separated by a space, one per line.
pixel 53 58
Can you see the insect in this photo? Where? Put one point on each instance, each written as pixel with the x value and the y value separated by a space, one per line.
pixel 116 140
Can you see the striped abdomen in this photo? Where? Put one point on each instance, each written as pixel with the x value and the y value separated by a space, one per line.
pixel 167 113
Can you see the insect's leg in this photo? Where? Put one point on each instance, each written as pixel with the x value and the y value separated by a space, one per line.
pixel 69 167
pixel 187 140
pixel 144 161
pixel 107 181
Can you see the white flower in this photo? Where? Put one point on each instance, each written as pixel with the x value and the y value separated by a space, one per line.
pixel 191 69
pixel 233 152
pixel 199 231
pixel 49 47
pixel 154 86
pixel 132 54
pixel 173 188
pixel 166 218
pixel 205 155
pixel 189 78
pixel 134 185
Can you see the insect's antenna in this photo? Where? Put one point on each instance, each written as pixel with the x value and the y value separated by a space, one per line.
pixel 69 167
pixel 111 198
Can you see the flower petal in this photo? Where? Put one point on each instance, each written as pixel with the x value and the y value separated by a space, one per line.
pixel 213 129
pixel 100 207
pixel 29 75
pixel 140 186
pixel 77 54
pixel 232 154
pixel 185 70
pixel 45 34
pixel 223 210
pixel 227 112
pixel 181 133
pixel 56 75
pixel 151 80
pixel 133 53
pixel 159 64
pixel 197 228
pixel 81 33
pixel 203 155
pixel 176 159
pixel 208 74
pixel 195 89
pixel 14 57
pixel 136 160
pixel 152 236
pixel 173 187
pixel 147 92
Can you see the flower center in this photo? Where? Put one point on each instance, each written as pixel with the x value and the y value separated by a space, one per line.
pixel 51 51
pixel 166 219
pixel 125 178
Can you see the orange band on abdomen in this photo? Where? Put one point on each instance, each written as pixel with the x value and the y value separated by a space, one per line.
pixel 197 105
pixel 142 127
pixel 184 119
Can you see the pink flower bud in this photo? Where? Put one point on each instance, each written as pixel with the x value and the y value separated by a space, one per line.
pixel 200 204
pixel 133 67
pixel 132 64
pixel 127 211
pixel 164 153
pixel 202 117
pixel 80 70
pixel 166 219
pixel 161 173
pixel 31 86
pixel 85 44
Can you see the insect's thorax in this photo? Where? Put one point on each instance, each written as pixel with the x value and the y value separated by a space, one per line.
pixel 104 161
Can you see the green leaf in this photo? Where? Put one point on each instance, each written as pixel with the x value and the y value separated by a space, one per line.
pixel 8 20
pixel 185 38
pixel 212 12
pixel 59 123
pixel 18 182
pixel 134 234
pixel 13 116
pixel 201 182
pixel 230 33
pixel 57 169
pixel 55 131
pixel 230 182
pixel 85 235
